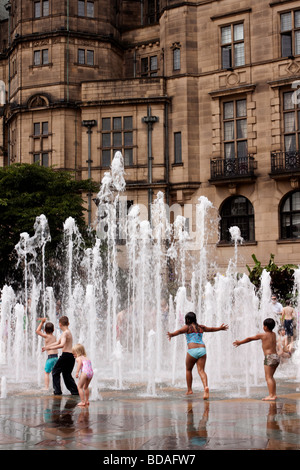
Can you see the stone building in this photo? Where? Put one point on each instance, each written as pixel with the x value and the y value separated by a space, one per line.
pixel 200 96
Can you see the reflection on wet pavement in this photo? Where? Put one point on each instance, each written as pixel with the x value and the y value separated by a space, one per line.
pixel 125 420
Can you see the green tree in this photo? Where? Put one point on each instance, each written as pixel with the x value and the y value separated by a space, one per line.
pixel 282 277
pixel 27 191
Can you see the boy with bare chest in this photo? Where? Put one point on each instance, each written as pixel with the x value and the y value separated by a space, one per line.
pixel 287 318
pixel 66 361
pixel 271 362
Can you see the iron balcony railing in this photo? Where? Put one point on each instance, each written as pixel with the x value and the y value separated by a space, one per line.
pixel 285 162
pixel 224 168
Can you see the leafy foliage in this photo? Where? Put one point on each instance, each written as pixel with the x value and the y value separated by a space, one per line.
pixel 27 191
pixel 282 278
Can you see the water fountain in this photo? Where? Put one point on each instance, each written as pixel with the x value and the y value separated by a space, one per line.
pixel 3 387
pixel 115 295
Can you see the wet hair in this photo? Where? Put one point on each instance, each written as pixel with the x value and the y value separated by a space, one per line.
pixel 49 327
pixel 79 350
pixel 191 319
pixel 269 323
pixel 64 321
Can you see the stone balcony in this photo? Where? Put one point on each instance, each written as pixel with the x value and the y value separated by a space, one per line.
pixel 285 164
pixel 232 170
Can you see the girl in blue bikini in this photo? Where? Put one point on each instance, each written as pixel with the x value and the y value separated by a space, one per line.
pixel 196 353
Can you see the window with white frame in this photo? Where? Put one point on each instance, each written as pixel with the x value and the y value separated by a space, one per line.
pixel 41 158
pixel 41 57
pixel 149 66
pixel 235 128
pixel 41 8
pixel 291 122
pixel 290 33
pixel 232 46
pixel 40 129
pixel 85 57
pixel 40 137
pixel 176 58
pixel 86 8
pixel 117 134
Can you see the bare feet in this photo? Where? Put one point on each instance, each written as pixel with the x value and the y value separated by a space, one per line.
pixel 189 392
pixel 81 404
pixel 206 393
pixel 269 398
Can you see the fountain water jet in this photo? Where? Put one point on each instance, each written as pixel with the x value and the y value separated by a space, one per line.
pixel 114 295
pixel 3 387
pixel 151 388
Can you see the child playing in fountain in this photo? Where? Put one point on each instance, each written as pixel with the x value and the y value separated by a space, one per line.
pixel 271 362
pixel 196 353
pixel 287 318
pixel 66 360
pixel 284 349
pixel 84 365
pixel 52 353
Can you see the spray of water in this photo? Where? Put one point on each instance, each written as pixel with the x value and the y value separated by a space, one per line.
pixel 120 304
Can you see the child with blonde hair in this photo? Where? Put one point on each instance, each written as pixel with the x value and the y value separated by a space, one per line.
pixel 85 366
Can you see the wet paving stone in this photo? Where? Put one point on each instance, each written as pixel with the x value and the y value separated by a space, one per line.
pixel 123 421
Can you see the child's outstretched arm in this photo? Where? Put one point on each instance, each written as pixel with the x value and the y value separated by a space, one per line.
pixel 247 340
pixel 213 329
pixel 181 331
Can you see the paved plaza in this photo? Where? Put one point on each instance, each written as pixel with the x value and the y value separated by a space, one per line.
pixel 129 420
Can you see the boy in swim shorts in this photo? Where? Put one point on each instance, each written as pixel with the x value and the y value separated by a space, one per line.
pixel 271 361
pixel 52 354
pixel 66 360
pixel 288 317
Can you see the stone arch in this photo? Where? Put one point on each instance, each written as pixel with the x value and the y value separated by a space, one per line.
pixel 38 101
pixel 237 211
pixel 289 216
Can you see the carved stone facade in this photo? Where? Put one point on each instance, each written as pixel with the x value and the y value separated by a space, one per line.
pixel 201 97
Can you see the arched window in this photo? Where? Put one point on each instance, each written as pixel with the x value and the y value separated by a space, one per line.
pixel 237 211
pixel 290 216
